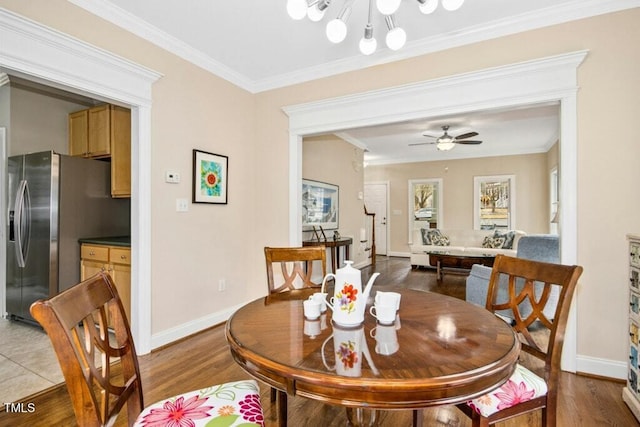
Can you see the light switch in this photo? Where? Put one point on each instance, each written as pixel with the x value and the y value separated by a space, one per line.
pixel 182 205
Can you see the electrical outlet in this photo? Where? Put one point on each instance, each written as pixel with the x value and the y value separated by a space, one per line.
pixel 182 205
pixel 222 285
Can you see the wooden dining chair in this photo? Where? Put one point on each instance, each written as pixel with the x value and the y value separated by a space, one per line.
pixel 92 340
pixel 295 274
pixel 541 338
pixel 295 267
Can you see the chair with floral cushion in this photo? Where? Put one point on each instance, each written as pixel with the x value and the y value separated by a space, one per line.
pixel 541 337
pixel 92 340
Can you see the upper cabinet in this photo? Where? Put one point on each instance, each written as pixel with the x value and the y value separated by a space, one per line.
pixel 104 132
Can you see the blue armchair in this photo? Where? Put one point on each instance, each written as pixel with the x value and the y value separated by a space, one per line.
pixel 536 247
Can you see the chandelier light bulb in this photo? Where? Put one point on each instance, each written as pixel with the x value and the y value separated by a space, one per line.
pixel 388 7
pixel 396 38
pixel 297 9
pixel 452 5
pixel 368 46
pixel 428 6
pixel 336 30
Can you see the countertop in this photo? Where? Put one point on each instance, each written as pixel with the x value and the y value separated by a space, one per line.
pixel 108 240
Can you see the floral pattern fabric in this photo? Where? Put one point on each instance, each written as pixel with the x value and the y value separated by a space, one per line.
pixel 235 404
pixel 523 385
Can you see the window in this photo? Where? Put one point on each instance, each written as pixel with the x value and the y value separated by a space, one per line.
pixel 494 202
pixel 425 204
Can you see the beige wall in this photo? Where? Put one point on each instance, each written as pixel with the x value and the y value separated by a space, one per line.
pixel 457 182
pixel 193 109
pixel 330 159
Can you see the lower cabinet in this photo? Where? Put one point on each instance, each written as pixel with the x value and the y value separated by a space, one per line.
pixel 115 260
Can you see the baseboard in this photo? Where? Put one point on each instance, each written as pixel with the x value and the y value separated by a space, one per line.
pixel 601 367
pixel 184 330
pixel 399 254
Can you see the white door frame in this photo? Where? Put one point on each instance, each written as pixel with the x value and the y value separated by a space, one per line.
pixel 550 79
pixel 387 204
pixel 3 221
pixel 50 57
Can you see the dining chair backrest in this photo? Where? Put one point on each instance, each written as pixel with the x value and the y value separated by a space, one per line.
pixel 529 284
pixel 295 267
pixel 523 278
pixel 89 330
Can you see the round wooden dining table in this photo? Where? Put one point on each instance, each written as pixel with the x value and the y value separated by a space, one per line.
pixel 440 350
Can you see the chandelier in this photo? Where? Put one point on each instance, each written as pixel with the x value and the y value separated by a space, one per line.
pixel 337 28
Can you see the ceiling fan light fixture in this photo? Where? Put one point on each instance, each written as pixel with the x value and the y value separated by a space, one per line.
pixel 452 5
pixel 445 145
pixel 388 7
pixel 427 6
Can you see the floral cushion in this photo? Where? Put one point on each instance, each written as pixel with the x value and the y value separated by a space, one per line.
pixel 435 237
pixel 426 240
pixel 509 237
pixel 523 385
pixel 230 404
pixel 493 242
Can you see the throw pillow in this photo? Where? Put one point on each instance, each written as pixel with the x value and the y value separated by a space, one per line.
pixel 493 242
pixel 433 234
pixel 426 240
pixel 509 236
pixel 440 240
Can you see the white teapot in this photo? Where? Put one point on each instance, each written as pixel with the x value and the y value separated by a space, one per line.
pixel 349 300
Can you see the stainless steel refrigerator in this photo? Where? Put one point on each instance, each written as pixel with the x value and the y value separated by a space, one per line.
pixel 54 200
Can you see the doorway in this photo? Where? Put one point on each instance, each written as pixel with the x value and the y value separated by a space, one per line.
pixel 376 196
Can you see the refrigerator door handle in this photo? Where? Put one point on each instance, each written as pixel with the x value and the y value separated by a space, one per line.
pixel 22 222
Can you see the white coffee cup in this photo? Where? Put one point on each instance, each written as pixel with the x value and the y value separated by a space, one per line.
pixel 311 309
pixel 320 297
pixel 386 339
pixel 386 314
pixel 388 298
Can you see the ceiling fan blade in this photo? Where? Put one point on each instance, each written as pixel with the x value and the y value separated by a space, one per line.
pixel 469 142
pixel 421 143
pixel 467 135
pixel 431 136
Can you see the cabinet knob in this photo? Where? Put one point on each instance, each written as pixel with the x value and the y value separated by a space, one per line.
pixel 123 257
pixel 92 253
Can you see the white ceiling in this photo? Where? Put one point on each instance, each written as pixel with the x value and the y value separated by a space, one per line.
pixel 255 45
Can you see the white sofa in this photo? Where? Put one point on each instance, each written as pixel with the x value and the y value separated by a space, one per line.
pixel 459 240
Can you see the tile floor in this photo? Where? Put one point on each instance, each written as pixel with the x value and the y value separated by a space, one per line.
pixel 27 361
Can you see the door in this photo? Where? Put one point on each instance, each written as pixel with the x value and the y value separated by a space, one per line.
pixel 375 199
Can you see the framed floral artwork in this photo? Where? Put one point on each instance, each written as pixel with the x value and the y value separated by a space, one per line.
pixel 210 177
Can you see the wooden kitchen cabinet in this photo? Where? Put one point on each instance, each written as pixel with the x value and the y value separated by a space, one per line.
pixel 115 260
pixel 104 132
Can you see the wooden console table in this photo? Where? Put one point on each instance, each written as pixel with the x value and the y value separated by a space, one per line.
pixel 334 245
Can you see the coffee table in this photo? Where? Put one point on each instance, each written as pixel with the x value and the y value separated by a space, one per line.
pixel 458 260
pixel 441 350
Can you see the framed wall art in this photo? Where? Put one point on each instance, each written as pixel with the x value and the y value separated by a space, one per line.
pixel 210 177
pixel 319 205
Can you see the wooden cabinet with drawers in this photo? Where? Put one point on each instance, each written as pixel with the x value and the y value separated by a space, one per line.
pixel 104 132
pixel 116 260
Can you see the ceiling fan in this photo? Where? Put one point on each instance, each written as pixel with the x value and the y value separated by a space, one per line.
pixel 447 142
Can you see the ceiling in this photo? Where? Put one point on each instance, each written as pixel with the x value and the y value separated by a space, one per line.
pixel 255 45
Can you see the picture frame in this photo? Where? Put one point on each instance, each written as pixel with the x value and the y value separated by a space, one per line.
pixel 320 205
pixel 210 178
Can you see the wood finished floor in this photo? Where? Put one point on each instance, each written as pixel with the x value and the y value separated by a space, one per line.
pixel 204 359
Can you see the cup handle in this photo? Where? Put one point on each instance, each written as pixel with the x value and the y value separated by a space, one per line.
pixel 371 332
pixel 324 360
pixel 371 311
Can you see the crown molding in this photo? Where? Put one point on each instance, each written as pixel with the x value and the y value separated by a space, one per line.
pixel 566 12
pixel 120 17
